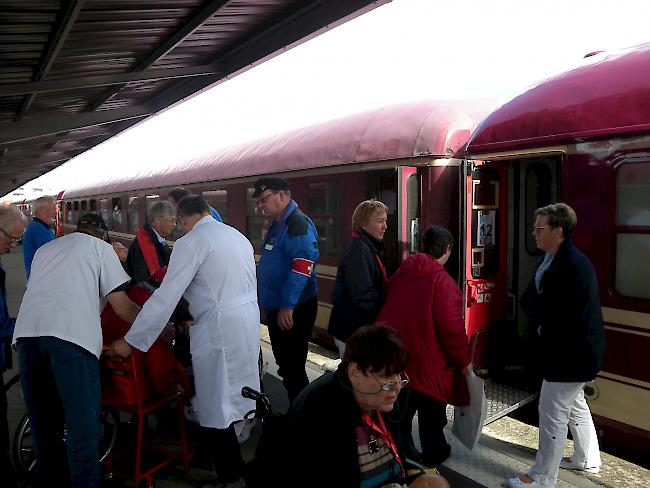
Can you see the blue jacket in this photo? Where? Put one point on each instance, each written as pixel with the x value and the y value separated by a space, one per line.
pixel 286 273
pixel 36 234
pixel 6 323
pixel 215 215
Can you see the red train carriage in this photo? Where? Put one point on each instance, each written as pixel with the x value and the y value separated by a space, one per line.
pixel 403 155
pixel 582 137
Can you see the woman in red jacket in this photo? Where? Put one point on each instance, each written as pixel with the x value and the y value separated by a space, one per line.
pixel 425 305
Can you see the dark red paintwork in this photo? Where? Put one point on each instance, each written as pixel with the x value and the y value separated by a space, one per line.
pixel 607 96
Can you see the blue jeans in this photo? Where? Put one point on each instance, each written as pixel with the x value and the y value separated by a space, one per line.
pixel 60 382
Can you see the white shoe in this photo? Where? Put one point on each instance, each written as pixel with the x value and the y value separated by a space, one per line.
pixel 517 483
pixel 567 463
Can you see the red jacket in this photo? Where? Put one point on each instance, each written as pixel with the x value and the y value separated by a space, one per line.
pixel 425 305
pixel 162 370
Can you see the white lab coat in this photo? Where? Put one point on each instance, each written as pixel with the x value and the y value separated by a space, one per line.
pixel 214 269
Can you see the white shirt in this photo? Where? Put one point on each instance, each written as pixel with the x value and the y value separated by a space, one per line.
pixel 70 278
pixel 213 267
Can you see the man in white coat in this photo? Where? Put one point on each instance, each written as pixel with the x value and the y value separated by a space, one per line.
pixel 213 267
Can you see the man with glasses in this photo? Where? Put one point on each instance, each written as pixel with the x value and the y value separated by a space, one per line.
pixel 38 232
pixel 287 280
pixel 12 225
pixel 58 340
pixel 425 305
pixel 149 250
pixel 562 302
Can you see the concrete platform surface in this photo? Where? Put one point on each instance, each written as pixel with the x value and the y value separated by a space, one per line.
pixel 505 449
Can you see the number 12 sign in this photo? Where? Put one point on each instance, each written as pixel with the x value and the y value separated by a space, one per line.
pixel 486 228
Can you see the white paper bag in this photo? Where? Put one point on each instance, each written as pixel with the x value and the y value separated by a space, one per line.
pixel 469 420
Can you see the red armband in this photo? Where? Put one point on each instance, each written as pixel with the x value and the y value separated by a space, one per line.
pixel 302 266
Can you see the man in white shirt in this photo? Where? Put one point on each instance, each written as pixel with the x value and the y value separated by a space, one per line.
pixel 213 267
pixel 58 339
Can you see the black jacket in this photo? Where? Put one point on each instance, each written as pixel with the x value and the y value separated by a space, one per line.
pixel 136 266
pixel 358 293
pixel 323 419
pixel 569 315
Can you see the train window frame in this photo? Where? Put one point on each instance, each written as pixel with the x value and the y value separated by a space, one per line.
pixel 133 213
pixel 219 204
pixel 628 274
pixel 117 219
pixel 327 248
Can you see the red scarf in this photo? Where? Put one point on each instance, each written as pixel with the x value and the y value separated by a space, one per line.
pixel 148 249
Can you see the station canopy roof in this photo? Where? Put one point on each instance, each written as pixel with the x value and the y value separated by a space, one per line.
pixel 75 73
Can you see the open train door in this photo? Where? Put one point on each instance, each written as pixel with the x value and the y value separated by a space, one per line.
pixel 485 266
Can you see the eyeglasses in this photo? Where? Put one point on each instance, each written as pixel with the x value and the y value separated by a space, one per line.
pixel 262 201
pixel 391 385
pixel 172 220
pixel 537 228
pixel 13 239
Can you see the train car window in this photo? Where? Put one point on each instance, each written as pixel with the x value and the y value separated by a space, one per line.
pixel 132 220
pixel 68 212
pixel 219 200
pixel 84 206
pixel 632 230
pixel 538 194
pixel 324 205
pixel 412 211
pixel 75 211
pixel 103 209
pixel 149 201
pixel 256 223
pixel 93 205
pixel 116 222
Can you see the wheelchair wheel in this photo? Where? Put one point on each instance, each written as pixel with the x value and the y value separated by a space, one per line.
pixel 23 455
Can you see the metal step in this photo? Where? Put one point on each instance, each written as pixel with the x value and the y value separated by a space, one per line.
pixel 502 398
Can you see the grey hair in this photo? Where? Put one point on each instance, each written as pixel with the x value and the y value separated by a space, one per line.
pixel 40 202
pixel 9 216
pixel 163 208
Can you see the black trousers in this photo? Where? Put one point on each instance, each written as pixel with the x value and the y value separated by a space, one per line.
pixel 432 418
pixel 290 346
pixel 222 447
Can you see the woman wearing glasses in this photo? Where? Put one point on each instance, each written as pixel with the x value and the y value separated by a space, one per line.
pixel 424 304
pixel 341 433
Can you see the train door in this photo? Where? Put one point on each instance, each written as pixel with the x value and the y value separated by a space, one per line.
pixel 399 189
pixel 536 183
pixel 486 212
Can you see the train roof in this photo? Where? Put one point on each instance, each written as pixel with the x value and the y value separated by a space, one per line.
pixel 608 96
pixel 75 73
pixel 430 129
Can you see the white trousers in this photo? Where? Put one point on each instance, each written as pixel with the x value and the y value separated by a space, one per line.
pixel 562 406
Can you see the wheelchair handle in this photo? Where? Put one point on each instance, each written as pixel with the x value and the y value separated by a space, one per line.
pixel 250 393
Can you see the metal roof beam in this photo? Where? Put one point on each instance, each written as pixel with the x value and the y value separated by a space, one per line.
pixel 30 129
pixel 179 36
pixel 45 86
pixel 65 25
pixel 300 26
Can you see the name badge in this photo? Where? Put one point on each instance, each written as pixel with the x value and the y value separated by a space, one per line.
pixel 269 247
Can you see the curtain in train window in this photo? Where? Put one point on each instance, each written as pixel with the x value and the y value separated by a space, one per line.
pixel 132 220
pixel 103 209
pixel 116 221
pixel 256 223
pixel 324 205
pixel 633 230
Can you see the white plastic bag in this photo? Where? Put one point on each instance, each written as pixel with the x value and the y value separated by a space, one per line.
pixel 469 420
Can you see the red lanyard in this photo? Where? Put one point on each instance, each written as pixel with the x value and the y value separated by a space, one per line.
pixel 384 434
pixel 382 269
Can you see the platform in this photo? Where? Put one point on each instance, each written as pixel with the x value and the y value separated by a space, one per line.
pixel 506 447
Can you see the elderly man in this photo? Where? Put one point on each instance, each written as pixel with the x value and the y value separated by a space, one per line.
pixel 213 267
pixel 58 339
pixel 38 232
pixel 149 250
pixel 287 280
pixel 12 226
